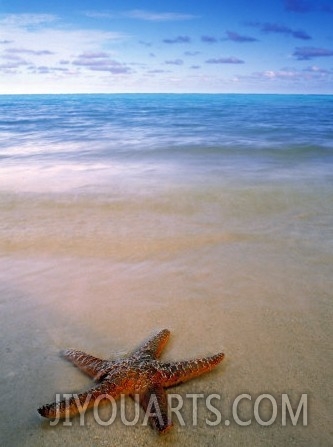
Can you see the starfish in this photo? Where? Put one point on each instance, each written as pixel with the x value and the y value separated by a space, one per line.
pixel 140 373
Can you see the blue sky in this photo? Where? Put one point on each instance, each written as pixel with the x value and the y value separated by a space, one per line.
pixel 227 46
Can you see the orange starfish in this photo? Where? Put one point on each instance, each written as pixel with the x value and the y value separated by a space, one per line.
pixel 140 373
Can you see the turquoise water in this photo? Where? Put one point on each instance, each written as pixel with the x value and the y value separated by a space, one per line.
pixel 247 136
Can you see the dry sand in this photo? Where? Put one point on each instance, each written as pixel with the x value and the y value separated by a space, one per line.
pixel 263 299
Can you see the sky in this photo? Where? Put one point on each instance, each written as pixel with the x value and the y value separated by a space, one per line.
pixel 199 46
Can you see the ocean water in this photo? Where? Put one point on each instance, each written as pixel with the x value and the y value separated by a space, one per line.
pixel 211 215
pixel 254 137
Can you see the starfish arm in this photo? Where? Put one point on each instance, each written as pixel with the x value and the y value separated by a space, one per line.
pixel 153 347
pixel 80 402
pixel 178 372
pixel 92 366
pixel 140 373
pixel 155 404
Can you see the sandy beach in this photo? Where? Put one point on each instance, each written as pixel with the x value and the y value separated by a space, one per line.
pixel 99 276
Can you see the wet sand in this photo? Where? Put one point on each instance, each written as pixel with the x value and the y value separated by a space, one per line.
pixel 101 275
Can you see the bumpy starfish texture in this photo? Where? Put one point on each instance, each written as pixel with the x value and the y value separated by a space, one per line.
pixel 141 373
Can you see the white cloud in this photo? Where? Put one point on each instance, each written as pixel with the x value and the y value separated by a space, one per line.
pixel 101 62
pixel 28 51
pixel 174 62
pixel 316 69
pixel 38 45
pixel 56 44
pixel 26 20
pixel 225 60
pixel 313 73
pixel 140 14
pixel 158 16
pixel 52 37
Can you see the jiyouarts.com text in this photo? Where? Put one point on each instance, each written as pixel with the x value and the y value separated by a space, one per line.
pixel 193 409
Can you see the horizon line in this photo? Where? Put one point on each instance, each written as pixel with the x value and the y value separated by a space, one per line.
pixel 167 93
